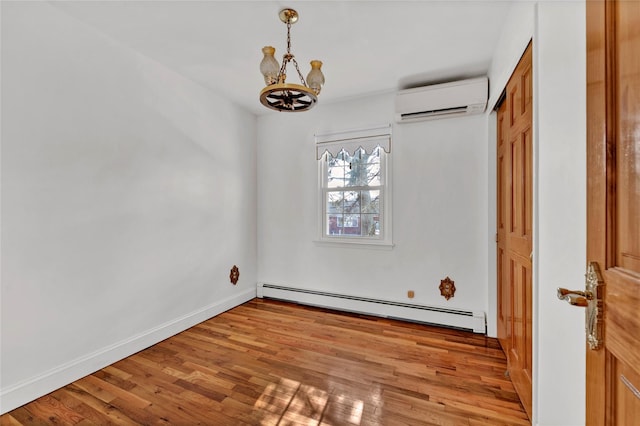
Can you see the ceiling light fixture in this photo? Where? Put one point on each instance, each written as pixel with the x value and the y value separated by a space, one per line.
pixel 280 95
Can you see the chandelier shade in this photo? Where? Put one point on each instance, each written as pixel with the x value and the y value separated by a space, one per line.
pixel 280 95
pixel 315 78
pixel 269 66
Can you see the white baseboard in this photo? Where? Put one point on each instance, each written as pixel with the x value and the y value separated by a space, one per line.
pixel 456 318
pixel 21 393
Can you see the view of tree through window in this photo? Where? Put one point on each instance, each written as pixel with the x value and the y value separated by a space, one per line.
pixel 353 189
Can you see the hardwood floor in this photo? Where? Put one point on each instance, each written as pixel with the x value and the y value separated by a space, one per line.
pixel 274 363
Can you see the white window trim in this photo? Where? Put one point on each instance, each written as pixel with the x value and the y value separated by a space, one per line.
pixel 351 140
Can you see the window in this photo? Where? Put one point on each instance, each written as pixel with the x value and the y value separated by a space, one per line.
pixel 352 193
pixel 354 189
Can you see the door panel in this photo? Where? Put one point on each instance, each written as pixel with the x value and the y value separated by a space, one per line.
pixel 627 82
pixel 504 295
pixel 519 355
pixel 613 206
pixel 626 409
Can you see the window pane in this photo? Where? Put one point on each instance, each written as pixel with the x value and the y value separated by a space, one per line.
pixel 364 174
pixel 360 175
pixel 370 225
pixel 335 177
pixel 360 169
pixel 372 174
pixel 351 202
pixel 370 201
pixel 335 202
pixel 334 224
pixel 351 174
pixel 351 224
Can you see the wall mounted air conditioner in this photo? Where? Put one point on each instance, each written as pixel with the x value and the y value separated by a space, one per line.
pixel 445 100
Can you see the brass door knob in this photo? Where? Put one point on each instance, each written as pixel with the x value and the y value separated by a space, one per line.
pixel 591 299
pixel 575 297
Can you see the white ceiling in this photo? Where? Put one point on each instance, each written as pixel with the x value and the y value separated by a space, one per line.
pixel 366 46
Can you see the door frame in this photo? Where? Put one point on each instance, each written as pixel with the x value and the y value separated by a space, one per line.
pixel 559 237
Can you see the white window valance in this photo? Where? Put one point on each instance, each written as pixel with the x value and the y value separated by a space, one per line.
pixel 351 140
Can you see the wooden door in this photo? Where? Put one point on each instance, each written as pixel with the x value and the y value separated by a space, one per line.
pixel 503 288
pixel 613 207
pixel 514 239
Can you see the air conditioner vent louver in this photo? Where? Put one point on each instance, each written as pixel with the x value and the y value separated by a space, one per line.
pixel 453 99
pixel 435 112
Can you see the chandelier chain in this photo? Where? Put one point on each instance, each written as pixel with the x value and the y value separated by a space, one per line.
pixel 283 70
pixel 291 57
pixel 304 83
pixel 288 57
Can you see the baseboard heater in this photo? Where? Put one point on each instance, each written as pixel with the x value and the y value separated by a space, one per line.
pixel 466 320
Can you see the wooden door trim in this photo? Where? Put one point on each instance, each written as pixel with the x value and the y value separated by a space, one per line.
pixel 597 186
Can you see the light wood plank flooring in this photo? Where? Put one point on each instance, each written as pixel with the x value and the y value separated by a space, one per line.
pixel 274 363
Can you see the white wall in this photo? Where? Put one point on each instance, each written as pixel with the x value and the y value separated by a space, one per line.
pixel 558 32
pixel 515 36
pixel 560 245
pixel 128 193
pixel 439 207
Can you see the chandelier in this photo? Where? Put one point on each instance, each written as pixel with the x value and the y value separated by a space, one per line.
pixel 280 95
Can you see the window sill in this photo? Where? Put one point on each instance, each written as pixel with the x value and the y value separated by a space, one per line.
pixel 371 245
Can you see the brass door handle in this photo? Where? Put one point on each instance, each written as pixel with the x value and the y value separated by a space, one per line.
pixel 591 299
pixel 575 297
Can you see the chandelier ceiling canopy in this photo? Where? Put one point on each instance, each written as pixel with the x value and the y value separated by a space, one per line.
pixel 280 95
